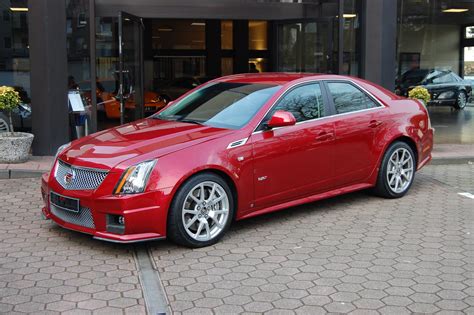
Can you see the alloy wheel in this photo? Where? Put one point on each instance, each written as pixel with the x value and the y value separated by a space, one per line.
pixel 400 170
pixel 205 211
pixel 4 125
pixel 462 100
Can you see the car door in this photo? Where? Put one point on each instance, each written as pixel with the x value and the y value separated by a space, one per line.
pixel 356 122
pixel 293 161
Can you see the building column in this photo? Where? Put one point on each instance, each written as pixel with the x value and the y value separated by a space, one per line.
pixel 379 36
pixel 241 46
pixel 48 77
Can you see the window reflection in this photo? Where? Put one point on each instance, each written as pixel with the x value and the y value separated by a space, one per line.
pixel 304 102
pixel 347 98
pixel 179 34
pixel 227 36
pixel 258 35
pixel 227 66
pixel 257 65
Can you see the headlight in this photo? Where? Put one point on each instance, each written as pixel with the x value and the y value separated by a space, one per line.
pixel 135 178
pixel 61 149
pixel 446 95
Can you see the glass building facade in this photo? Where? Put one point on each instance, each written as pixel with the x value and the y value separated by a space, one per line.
pixel 125 58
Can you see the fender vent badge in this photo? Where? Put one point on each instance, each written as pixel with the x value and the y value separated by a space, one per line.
pixel 237 143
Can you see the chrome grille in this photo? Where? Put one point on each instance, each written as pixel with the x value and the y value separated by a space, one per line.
pixel 82 218
pixel 78 178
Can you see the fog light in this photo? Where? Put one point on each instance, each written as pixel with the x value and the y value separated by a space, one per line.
pixel 115 224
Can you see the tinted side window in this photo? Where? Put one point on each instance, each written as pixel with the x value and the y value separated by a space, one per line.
pixel 304 102
pixel 347 98
pixel 445 77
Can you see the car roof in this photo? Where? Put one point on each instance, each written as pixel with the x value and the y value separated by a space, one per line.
pixel 277 78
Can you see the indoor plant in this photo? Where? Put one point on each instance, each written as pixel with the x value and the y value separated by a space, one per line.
pixel 14 146
pixel 420 93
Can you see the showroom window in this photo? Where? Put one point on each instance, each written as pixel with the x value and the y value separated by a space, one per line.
pixel 431 34
pixel 14 52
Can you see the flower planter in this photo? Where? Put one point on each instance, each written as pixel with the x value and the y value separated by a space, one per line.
pixel 15 148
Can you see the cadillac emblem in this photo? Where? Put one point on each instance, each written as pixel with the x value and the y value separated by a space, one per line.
pixel 69 177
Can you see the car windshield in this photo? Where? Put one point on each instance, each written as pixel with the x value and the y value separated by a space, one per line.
pixel 222 105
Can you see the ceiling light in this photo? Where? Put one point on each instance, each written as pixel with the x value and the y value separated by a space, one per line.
pixel 19 9
pixel 165 29
pixel 455 10
pixel 198 24
pixel 349 15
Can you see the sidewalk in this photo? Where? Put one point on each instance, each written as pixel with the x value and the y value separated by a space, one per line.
pixel 36 165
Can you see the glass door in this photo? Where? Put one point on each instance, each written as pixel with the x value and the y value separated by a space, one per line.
pixel 130 72
pixel 306 46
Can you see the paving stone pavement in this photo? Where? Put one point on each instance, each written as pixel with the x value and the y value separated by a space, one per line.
pixel 354 254
pixel 351 254
pixel 45 269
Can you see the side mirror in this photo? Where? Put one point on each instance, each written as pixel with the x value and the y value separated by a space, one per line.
pixel 281 118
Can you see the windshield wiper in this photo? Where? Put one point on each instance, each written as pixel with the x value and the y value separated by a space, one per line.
pixel 191 121
pixel 164 118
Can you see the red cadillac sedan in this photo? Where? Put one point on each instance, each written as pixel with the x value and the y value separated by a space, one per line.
pixel 233 148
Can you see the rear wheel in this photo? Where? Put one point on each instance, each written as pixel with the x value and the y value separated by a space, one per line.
pixel 201 211
pixel 461 101
pixel 397 171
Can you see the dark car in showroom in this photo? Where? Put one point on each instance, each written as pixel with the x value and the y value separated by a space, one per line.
pixel 444 86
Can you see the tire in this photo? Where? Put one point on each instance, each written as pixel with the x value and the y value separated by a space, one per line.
pixel 395 179
pixel 461 100
pixel 4 126
pixel 189 212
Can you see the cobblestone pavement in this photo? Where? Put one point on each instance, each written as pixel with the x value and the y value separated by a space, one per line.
pixel 351 254
pixel 355 253
pixel 46 269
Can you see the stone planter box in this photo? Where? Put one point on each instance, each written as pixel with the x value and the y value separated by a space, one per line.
pixel 15 148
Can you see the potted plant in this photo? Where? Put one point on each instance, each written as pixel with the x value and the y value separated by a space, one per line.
pixel 421 94
pixel 14 146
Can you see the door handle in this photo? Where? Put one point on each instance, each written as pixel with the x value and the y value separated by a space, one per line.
pixel 324 135
pixel 374 123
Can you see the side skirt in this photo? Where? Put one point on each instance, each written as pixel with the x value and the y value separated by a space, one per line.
pixel 312 198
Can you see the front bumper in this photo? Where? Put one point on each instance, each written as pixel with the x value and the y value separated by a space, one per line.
pixel 442 102
pixel 144 214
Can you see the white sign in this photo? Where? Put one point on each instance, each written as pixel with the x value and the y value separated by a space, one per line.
pixel 75 101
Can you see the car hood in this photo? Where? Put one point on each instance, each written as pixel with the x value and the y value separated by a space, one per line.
pixel 141 140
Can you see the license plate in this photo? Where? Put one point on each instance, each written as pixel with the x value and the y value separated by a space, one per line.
pixel 65 203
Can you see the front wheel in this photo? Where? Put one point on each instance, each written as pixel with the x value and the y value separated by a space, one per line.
pixel 397 171
pixel 461 101
pixel 201 211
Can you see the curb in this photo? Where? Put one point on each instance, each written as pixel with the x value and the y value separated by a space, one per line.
pixel 16 174
pixel 452 161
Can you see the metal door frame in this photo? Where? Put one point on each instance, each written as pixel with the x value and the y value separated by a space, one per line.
pixel 140 100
